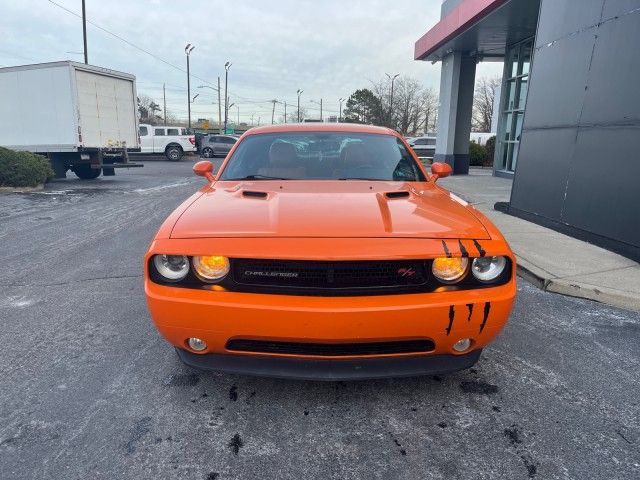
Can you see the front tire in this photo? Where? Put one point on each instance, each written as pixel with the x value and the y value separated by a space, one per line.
pixel 173 153
pixel 85 172
pixel 207 153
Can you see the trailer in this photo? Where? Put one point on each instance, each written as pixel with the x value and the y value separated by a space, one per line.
pixel 82 117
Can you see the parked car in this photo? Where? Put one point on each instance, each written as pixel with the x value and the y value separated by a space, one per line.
pixel 424 146
pixel 215 145
pixel 296 260
pixel 172 141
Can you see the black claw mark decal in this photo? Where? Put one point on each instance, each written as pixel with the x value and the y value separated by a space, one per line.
pixel 479 247
pixel 470 307
pixel 463 250
pixel 487 308
pixel 452 313
pixel 446 249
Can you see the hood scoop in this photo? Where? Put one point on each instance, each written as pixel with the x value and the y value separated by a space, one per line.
pixel 254 194
pixel 394 195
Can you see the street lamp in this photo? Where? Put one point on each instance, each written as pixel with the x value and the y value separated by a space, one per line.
pixel 299 92
pixel 227 66
pixel 187 50
pixel 393 79
pixel 219 107
pixel 340 114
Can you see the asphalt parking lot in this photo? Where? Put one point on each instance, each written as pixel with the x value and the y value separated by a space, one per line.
pixel 88 389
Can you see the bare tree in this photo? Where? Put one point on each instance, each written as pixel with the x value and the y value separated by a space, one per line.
pixel 148 110
pixel 414 107
pixel 483 100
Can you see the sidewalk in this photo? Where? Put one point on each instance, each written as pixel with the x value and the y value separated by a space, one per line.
pixel 552 261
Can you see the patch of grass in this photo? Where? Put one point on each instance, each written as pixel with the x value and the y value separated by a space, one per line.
pixel 23 169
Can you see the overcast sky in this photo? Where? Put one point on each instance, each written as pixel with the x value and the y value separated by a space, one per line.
pixel 328 48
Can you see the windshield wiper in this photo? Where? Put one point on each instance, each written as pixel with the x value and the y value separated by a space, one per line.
pixel 259 177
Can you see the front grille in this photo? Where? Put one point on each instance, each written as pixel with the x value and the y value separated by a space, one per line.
pixel 331 349
pixel 324 276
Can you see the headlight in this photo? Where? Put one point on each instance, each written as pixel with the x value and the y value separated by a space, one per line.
pixel 211 268
pixel 450 269
pixel 172 268
pixel 487 269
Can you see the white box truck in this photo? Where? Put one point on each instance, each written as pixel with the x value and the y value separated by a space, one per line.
pixel 82 117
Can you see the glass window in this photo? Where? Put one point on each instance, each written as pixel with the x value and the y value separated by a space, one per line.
pixel 420 141
pixel 322 156
pixel 513 63
pixel 227 140
pixel 526 58
pixel 159 132
pixel 515 89
pixel 522 93
pixel 144 131
pixel 173 131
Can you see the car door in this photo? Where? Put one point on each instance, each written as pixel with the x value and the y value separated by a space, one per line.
pixel 146 139
pixel 226 144
pixel 159 139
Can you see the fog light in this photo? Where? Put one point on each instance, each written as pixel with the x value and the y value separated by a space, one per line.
pixel 196 344
pixel 462 345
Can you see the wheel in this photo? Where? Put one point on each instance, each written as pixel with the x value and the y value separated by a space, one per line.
pixel 207 153
pixel 85 172
pixel 173 153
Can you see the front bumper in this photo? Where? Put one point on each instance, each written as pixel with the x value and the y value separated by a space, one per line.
pixel 330 369
pixel 219 316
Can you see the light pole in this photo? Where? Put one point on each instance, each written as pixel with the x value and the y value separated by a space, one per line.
pixel 393 79
pixel 219 108
pixel 299 92
pixel 227 66
pixel 84 33
pixel 187 50
pixel 340 110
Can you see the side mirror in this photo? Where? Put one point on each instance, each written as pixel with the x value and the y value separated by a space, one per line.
pixel 440 170
pixel 204 169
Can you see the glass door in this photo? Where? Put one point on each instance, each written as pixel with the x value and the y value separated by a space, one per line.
pixel 515 87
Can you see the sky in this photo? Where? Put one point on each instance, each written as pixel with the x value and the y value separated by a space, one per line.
pixel 327 48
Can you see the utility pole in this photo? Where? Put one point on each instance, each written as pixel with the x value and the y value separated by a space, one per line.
pixel 164 98
pixel 285 112
pixel 219 108
pixel 321 119
pixel 227 66
pixel 393 79
pixel 340 110
pixel 238 108
pixel 187 50
pixel 299 92
pixel 84 33
pixel 273 111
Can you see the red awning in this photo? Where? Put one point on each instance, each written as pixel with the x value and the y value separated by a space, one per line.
pixel 460 19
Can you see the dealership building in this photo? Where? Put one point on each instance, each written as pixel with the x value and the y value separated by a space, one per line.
pixel 568 130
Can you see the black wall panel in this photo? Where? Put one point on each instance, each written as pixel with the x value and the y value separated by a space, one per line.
pixel 579 162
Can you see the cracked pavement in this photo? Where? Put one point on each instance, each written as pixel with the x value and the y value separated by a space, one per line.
pixel 89 389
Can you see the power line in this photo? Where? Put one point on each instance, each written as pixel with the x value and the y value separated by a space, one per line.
pixel 131 44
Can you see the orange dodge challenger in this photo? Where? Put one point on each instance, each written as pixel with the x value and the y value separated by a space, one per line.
pixel 326 251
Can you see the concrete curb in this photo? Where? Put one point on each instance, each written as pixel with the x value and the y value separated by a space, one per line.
pixel 37 188
pixel 544 281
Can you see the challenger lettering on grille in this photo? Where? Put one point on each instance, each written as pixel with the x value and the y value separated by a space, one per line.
pixel 254 273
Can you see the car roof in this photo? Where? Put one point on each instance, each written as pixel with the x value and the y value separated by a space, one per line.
pixel 322 127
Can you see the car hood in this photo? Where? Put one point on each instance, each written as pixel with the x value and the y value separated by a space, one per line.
pixel 327 209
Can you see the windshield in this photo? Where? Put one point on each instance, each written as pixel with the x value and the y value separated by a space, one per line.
pixel 322 156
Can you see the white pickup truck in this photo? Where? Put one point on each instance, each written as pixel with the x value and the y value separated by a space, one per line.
pixel 172 141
